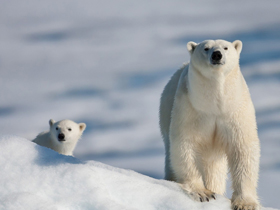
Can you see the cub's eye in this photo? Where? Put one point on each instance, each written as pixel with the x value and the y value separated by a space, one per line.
pixel 69 129
pixel 225 48
pixel 206 49
pixel 56 128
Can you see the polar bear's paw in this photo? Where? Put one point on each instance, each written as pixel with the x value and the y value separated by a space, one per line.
pixel 243 204
pixel 202 195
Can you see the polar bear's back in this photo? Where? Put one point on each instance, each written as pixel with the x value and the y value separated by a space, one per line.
pixel 166 105
pixel 166 102
pixel 43 139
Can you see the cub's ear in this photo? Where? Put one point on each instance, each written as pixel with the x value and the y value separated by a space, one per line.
pixel 191 47
pixel 237 44
pixel 51 122
pixel 82 126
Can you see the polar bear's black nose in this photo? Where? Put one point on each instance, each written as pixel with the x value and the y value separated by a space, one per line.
pixel 61 137
pixel 216 56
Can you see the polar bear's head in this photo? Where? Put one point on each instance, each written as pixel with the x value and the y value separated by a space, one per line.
pixel 213 56
pixel 66 131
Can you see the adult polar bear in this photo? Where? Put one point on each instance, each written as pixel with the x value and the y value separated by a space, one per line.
pixel 207 121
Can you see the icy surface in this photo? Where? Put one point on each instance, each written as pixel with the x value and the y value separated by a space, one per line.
pixel 34 177
pixel 106 62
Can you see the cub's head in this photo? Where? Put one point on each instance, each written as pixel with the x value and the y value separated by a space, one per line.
pixel 66 131
pixel 214 56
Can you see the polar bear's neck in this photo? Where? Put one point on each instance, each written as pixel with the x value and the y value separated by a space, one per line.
pixel 213 95
pixel 65 148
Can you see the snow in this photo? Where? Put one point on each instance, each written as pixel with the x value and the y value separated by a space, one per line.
pixel 106 62
pixel 35 177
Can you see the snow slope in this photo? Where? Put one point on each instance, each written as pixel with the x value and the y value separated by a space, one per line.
pixel 106 62
pixel 34 177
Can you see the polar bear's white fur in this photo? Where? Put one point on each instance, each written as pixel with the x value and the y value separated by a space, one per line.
pixel 207 121
pixel 62 136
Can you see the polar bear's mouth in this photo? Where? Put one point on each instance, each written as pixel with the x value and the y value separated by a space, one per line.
pixel 217 62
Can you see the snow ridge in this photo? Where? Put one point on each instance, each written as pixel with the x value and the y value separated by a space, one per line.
pixel 35 177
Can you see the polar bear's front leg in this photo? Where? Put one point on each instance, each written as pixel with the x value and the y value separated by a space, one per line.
pixel 185 171
pixel 244 153
pixel 184 137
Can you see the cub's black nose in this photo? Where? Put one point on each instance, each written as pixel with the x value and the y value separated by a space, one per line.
pixel 61 137
pixel 216 56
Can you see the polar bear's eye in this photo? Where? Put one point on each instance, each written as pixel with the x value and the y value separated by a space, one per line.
pixel 56 128
pixel 225 48
pixel 206 49
pixel 69 129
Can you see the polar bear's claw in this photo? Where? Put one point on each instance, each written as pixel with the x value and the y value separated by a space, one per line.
pixel 202 196
pixel 245 206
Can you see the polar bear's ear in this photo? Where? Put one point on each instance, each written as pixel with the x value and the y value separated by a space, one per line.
pixel 51 122
pixel 191 46
pixel 82 126
pixel 237 44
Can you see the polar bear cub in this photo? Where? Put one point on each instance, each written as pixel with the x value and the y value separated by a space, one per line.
pixel 207 121
pixel 62 136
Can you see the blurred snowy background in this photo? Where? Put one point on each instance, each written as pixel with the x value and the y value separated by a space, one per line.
pixel 106 62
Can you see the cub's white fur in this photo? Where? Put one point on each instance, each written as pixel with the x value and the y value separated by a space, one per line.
pixel 207 121
pixel 62 136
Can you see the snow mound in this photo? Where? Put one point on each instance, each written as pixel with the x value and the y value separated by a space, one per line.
pixel 33 177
